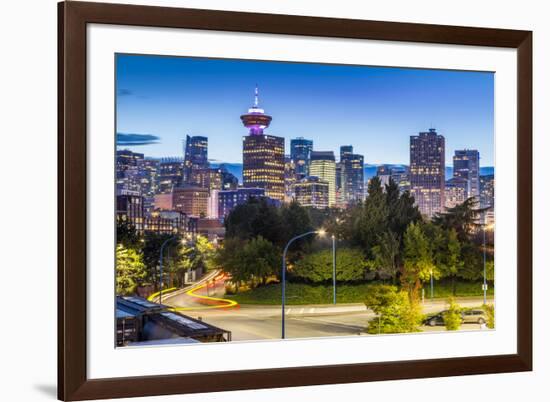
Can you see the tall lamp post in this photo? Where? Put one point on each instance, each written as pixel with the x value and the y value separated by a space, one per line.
pixel 283 274
pixel 160 264
pixel 431 284
pixel 333 269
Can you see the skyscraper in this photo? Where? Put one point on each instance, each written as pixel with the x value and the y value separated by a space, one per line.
pixel 456 190
pixel 263 155
pixel 427 171
pixel 290 178
pixel 127 170
pixel 466 166
pixel 323 166
pixel 487 190
pixel 300 151
pixel 312 192
pixel 352 175
pixel 170 174
pixel 229 199
pixel 195 157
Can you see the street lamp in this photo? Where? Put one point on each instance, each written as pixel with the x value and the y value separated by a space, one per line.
pixel 161 260
pixel 431 284
pixel 333 269
pixel 320 232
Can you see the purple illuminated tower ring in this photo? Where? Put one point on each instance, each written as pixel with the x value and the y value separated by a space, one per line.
pixel 256 120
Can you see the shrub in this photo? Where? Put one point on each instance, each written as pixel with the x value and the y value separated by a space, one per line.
pixel 490 311
pixel 317 267
pixel 453 316
pixel 396 313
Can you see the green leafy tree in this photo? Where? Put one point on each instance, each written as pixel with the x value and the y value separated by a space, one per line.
pixel 296 220
pixel 396 313
pixel 127 235
pixel 490 312
pixel 151 254
pixel 371 218
pixel 260 259
pixel 386 253
pixel 256 217
pixel 249 261
pixel 472 257
pixel 462 218
pixel 418 263
pixel 402 210
pixel 453 316
pixel 447 255
pixel 130 270
pixel 318 267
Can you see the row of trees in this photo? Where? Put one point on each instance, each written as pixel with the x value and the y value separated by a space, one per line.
pixel 138 256
pixel 384 237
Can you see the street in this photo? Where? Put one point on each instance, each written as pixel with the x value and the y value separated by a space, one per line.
pixel 255 322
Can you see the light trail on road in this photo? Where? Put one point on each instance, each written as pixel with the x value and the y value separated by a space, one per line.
pixel 227 303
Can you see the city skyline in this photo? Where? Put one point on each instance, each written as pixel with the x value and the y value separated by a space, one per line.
pixel 146 106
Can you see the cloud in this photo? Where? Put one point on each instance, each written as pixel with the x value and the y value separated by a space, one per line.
pixel 125 92
pixel 131 139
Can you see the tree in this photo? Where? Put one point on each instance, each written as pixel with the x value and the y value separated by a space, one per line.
pixel 472 258
pixel 130 270
pixel 296 220
pixel 418 263
pixel 446 249
pixel 204 253
pixel 371 219
pixel 462 218
pixel 453 316
pixel 318 267
pixel 249 261
pixel 126 234
pixel 396 313
pixel 386 253
pixel 490 312
pixel 256 217
pixel 260 258
pixel 151 254
pixel 402 210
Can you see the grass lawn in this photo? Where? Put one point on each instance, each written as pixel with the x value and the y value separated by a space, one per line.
pixel 300 293
pixel 443 289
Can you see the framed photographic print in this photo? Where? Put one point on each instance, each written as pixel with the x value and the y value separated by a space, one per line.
pixel 253 200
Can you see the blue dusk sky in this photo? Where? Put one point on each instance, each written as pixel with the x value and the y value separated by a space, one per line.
pixel 375 109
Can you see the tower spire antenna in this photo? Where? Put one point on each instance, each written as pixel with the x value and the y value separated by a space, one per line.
pixel 256 96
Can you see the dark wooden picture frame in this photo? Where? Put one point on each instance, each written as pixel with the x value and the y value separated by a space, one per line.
pixel 73 17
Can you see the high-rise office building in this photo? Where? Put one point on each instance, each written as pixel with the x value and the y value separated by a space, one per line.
pixel 290 178
pixel 192 201
pixel 487 190
pixel 170 174
pixel 229 199
pixel 312 192
pixel 300 151
pixel 129 208
pixel 466 166
pixel 427 171
pixel 456 191
pixel 195 157
pixel 398 173
pixel 127 170
pixel 210 178
pixel 229 181
pixel 323 166
pixel 263 155
pixel 352 175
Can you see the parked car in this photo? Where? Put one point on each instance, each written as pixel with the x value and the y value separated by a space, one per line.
pixel 474 316
pixel 435 319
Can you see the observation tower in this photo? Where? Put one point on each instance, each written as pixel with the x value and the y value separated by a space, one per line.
pixel 256 120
